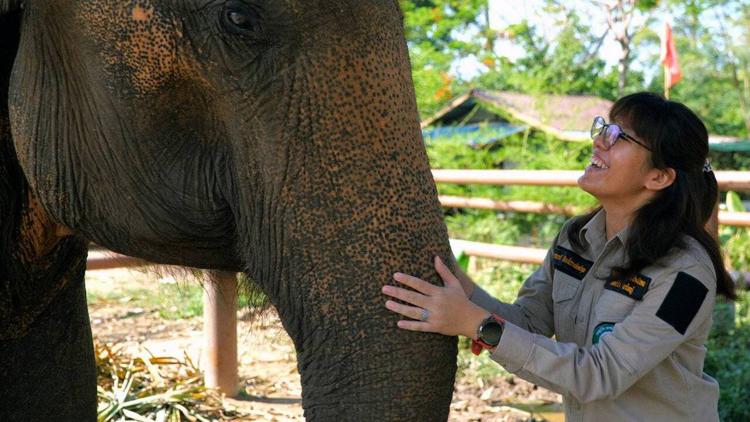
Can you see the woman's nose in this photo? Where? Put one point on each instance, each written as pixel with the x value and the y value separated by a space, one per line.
pixel 599 141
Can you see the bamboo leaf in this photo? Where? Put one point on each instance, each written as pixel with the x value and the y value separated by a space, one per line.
pixel 734 203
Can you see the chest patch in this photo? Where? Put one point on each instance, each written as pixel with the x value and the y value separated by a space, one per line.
pixel 570 262
pixel 634 287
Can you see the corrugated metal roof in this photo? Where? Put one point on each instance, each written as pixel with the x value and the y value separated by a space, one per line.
pixel 479 134
pixel 567 117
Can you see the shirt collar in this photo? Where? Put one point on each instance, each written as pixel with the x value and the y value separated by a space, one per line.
pixel 594 232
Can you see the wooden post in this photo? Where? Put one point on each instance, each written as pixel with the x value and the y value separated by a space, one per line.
pixel 220 331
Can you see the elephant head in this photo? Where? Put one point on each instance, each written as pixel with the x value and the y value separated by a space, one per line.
pixel 278 138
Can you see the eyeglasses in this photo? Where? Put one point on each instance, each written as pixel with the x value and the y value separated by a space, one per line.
pixel 611 132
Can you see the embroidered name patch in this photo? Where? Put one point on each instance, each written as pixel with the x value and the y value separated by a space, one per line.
pixel 683 302
pixel 602 329
pixel 570 262
pixel 634 288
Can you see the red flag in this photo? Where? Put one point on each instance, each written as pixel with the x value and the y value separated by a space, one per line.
pixel 672 73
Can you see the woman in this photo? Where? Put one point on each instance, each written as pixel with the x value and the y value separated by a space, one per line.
pixel 627 290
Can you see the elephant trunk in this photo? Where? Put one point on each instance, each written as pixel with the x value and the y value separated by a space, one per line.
pixel 354 203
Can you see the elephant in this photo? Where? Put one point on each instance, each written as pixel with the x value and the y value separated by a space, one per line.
pixel 279 139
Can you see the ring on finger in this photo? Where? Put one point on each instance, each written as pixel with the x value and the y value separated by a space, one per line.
pixel 425 314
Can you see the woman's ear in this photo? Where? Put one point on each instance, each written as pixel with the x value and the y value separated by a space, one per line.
pixel 660 178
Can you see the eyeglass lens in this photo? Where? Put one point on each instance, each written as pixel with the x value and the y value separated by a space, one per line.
pixel 611 132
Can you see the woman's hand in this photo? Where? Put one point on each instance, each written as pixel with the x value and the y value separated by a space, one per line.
pixel 444 310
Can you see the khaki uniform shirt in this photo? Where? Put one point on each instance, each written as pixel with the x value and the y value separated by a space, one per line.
pixel 625 350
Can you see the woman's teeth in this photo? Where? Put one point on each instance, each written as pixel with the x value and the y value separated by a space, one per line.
pixel 598 163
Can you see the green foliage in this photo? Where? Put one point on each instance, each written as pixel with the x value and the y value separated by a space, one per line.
pixel 462 260
pixel 734 203
pixel 535 151
pixel 433 32
pixel 176 301
pixel 563 65
pixel 728 359
pixel 735 240
pixel 730 160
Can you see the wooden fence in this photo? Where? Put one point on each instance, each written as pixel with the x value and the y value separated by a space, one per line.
pixel 220 300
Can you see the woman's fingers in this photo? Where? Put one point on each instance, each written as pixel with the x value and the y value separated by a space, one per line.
pixel 412 312
pixel 406 295
pixel 416 323
pixel 445 273
pixel 414 326
pixel 415 283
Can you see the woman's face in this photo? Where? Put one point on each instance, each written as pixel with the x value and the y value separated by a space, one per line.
pixel 618 175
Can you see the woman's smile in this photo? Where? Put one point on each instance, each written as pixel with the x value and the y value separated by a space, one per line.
pixel 597 163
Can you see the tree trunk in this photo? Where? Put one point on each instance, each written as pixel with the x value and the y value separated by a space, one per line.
pixel 623 67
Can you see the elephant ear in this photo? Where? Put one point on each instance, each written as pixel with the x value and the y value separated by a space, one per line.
pixel 36 261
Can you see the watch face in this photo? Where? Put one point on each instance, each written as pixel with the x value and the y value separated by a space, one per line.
pixel 491 332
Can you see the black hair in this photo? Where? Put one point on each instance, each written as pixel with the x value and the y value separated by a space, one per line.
pixel 679 140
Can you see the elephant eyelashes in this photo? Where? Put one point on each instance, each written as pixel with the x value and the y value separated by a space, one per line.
pixel 239 18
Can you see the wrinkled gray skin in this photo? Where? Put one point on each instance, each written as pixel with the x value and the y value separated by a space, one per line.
pixel 275 137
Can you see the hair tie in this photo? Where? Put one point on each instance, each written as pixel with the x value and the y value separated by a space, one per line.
pixel 707 167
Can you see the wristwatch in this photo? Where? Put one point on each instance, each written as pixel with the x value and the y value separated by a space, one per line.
pixel 488 334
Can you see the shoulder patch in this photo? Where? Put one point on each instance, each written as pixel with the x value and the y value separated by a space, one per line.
pixel 602 329
pixel 570 262
pixel 682 303
pixel 634 288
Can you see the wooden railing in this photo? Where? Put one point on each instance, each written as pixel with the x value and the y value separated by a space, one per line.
pixel 728 180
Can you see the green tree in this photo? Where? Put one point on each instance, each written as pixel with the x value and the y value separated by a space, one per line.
pixel 438 33
pixel 567 64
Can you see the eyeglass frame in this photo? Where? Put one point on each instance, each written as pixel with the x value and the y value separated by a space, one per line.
pixel 605 127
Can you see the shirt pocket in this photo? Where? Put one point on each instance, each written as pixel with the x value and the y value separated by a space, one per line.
pixel 613 307
pixel 564 291
pixel 564 287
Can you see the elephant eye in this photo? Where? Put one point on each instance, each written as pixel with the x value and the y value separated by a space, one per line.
pixel 240 18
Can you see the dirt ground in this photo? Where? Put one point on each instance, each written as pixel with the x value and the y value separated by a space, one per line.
pixel 270 385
